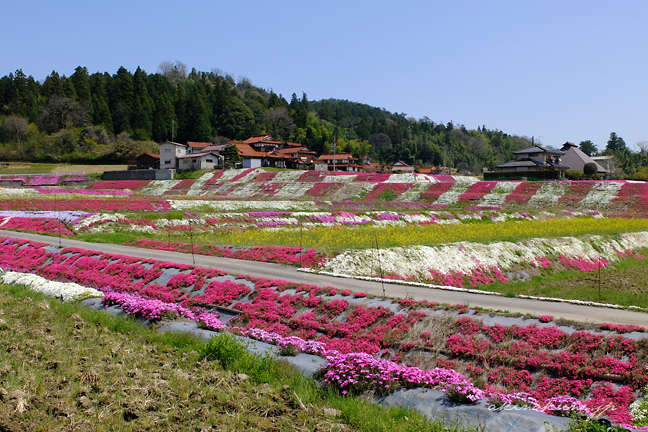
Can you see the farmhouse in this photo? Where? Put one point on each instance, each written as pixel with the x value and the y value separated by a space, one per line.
pixel 169 152
pixel 197 147
pixel 199 161
pixel 401 166
pixel 148 161
pixel 535 161
pixel 341 162
pixel 576 159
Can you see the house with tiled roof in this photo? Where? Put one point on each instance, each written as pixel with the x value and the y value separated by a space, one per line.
pixel 199 161
pixel 401 166
pixel 301 157
pixel 260 151
pixel 576 159
pixel 148 161
pixel 535 161
pixel 341 162
pixel 197 147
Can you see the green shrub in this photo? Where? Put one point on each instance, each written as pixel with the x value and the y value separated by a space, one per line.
pixel 225 348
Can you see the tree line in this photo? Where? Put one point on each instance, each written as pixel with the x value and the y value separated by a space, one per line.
pixel 103 117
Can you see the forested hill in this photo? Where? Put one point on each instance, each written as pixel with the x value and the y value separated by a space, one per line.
pixel 103 117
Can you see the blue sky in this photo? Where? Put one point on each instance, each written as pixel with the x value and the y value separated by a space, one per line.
pixel 557 70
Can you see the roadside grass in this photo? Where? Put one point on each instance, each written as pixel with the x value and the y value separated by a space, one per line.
pixel 63 366
pixel 120 237
pixel 625 285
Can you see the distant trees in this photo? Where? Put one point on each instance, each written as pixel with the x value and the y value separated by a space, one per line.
pixel 88 114
pixel 588 147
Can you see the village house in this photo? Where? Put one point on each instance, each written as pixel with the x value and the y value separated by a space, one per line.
pixel 197 147
pixel 148 161
pixel 199 161
pixel 535 161
pixel 341 162
pixel 402 167
pixel 576 159
pixel 169 152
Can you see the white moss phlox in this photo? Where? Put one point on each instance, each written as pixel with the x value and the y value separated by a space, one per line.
pixel 66 291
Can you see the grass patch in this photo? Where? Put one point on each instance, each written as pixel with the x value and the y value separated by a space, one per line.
pixel 623 285
pixel 63 366
pixel 119 237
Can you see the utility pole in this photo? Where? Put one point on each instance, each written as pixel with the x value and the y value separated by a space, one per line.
pixel 172 129
pixel 334 148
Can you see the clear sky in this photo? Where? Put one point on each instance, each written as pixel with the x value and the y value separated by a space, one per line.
pixel 558 70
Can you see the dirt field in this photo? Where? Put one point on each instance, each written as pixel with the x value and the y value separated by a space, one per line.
pixel 37 168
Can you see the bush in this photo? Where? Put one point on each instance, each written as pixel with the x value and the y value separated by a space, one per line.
pixel 225 348
pixel 574 174
pixel 590 169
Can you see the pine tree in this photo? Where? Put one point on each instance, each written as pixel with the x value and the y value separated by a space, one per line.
pixel 163 118
pixel 68 88
pixel 81 82
pixel 53 86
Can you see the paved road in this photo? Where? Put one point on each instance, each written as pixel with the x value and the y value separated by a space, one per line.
pixel 274 271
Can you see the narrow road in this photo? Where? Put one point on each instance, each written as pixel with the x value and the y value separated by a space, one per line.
pixel 580 313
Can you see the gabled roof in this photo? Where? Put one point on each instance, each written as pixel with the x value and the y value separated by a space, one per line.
pixel 528 162
pixel 577 159
pixel 401 163
pixel 246 150
pixel 197 155
pixel 256 139
pixel 298 149
pixel 198 145
pixel 215 147
pixel 153 155
pixel 540 149
pixel 338 156
pixel 174 143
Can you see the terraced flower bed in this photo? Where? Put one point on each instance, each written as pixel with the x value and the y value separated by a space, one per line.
pixel 551 368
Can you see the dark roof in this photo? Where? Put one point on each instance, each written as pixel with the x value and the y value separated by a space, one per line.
pixel 538 149
pixel 530 163
pixel 153 155
pixel 195 155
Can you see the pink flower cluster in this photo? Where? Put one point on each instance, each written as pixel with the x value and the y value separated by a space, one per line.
pixel 88 205
pixel 75 178
pixel 278 254
pixel 120 184
pixel 35 224
pixel 584 264
pixel 482 274
pixel 83 192
pixel 44 180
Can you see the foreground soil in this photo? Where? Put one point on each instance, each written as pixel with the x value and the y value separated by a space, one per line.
pixel 59 371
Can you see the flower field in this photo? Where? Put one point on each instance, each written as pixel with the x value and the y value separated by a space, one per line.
pixel 440 230
pixel 371 344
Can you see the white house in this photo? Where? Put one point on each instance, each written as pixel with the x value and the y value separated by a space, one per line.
pixel 169 152
pixel 199 161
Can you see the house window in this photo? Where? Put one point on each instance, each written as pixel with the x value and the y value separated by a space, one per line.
pixel 209 160
pixel 167 162
pixel 167 150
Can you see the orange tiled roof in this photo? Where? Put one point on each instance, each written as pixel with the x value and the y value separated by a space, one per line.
pixel 155 155
pixel 292 150
pixel 198 145
pixel 337 157
pixel 244 149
